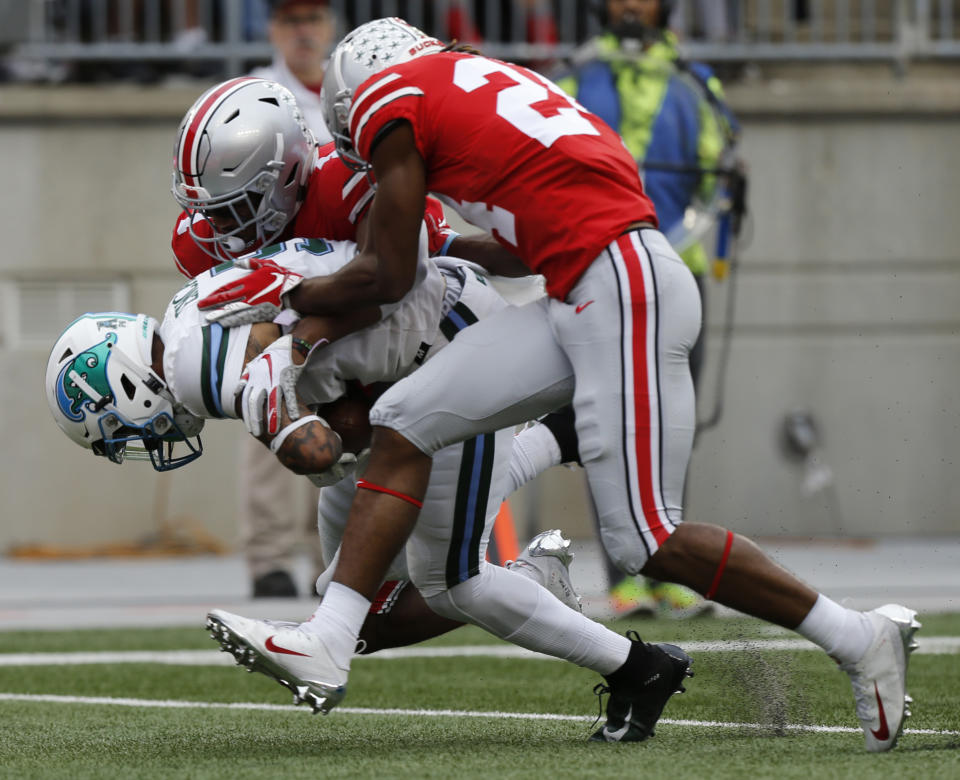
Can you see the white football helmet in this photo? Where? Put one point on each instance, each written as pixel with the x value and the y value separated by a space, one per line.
pixel 241 160
pixel 367 50
pixel 104 394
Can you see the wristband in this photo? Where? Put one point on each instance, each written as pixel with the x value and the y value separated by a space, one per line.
pixel 446 244
pixel 278 440
pixel 301 345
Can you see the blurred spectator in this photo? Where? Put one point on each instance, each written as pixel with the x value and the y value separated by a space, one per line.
pixel 671 116
pixel 302 33
pixel 711 20
pixel 278 509
pixel 520 21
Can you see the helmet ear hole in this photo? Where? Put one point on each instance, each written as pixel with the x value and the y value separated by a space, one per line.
pixel 128 387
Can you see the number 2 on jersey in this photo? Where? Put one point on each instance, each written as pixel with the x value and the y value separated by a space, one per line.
pixel 515 102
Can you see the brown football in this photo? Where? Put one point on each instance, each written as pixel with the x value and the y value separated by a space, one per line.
pixel 349 416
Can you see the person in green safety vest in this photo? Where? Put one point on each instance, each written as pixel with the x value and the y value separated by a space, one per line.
pixel 673 119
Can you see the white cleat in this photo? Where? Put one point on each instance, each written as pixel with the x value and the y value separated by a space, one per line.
pixel 297 659
pixel 879 679
pixel 546 561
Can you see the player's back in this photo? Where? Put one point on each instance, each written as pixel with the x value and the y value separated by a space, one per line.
pixel 202 362
pixel 513 154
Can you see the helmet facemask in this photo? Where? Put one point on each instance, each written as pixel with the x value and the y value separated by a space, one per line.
pixel 241 163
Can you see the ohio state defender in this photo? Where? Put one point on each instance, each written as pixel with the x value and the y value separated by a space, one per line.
pixel 516 156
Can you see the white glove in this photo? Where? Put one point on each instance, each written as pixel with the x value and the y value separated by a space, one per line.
pixel 349 464
pixel 268 383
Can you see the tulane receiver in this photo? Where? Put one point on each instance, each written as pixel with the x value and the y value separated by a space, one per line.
pixel 119 380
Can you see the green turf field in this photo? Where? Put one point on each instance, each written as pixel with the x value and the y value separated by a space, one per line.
pixel 475 719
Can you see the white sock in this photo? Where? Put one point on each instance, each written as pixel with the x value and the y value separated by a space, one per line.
pixel 534 451
pixel 844 633
pixel 517 609
pixel 338 620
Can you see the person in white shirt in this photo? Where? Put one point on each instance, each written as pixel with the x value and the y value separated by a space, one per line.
pixel 302 33
pixel 277 512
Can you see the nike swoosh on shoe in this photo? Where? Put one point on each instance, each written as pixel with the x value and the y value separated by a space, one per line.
pixel 882 733
pixel 275 648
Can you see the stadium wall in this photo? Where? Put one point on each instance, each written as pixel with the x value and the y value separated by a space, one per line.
pixel 847 307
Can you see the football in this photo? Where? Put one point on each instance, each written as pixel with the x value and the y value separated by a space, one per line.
pixel 349 416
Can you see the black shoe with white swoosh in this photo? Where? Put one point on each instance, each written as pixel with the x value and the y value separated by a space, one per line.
pixel 639 690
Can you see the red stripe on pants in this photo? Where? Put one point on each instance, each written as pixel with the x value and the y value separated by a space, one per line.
pixel 643 411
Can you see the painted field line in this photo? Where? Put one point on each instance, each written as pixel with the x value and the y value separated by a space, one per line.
pixel 938 645
pixel 259 706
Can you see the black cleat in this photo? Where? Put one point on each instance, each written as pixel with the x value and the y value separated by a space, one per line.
pixel 639 690
pixel 276 584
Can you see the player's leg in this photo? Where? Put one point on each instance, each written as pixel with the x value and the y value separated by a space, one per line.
pixel 446 562
pixel 649 439
pixel 398 615
pixel 489 378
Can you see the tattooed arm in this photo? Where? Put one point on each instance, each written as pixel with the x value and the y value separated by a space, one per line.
pixel 308 449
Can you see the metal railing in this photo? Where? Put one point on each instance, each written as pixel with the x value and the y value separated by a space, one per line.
pixel 233 31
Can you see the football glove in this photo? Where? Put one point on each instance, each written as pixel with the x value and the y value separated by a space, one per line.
pixel 439 233
pixel 348 465
pixel 255 297
pixel 267 385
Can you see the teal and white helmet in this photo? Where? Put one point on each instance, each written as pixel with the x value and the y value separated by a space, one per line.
pixel 365 51
pixel 104 394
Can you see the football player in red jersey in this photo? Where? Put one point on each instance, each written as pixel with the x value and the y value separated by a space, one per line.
pixel 556 187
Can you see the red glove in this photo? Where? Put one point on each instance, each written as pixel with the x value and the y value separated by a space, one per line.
pixel 439 233
pixel 254 297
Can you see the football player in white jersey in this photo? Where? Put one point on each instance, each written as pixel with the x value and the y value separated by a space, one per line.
pixel 513 154
pixel 114 380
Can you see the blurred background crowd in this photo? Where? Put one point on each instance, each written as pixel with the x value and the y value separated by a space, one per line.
pixel 153 40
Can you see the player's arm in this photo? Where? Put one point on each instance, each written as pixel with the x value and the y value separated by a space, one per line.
pixel 305 445
pixel 487 252
pixel 385 267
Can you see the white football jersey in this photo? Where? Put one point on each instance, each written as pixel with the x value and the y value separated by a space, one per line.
pixel 202 362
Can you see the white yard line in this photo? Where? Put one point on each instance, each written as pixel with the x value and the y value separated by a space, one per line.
pixel 258 706
pixel 936 645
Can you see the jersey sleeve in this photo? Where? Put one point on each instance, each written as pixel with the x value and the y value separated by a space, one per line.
pixel 189 258
pixel 337 199
pixel 202 362
pixel 382 99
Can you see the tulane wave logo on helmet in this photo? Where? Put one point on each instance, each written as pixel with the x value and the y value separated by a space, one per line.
pixel 91 364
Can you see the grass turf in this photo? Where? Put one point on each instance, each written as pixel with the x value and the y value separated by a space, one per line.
pixel 774 689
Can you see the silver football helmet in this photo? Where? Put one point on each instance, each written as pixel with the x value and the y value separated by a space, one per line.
pixel 241 161
pixel 104 394
pixel 367 50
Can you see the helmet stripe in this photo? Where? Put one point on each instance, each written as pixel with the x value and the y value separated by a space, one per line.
pixel 189 146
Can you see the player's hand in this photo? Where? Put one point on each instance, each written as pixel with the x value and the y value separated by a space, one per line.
pixel 348 465
pixel 257 296
pixel 439 233
pixel 268 387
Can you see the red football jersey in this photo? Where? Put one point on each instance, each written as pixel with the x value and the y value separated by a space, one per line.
pixel 337 198
pixel 513 154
